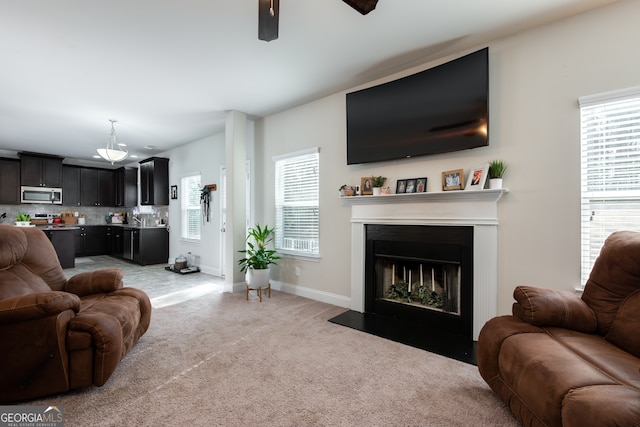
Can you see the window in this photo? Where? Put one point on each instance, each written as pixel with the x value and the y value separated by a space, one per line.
pixel 297 216
pixel 610 147
pixel 190 207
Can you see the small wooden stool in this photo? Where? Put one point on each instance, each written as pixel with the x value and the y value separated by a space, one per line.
pixel 260 289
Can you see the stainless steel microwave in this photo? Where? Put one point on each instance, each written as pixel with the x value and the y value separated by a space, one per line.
pixel 41 195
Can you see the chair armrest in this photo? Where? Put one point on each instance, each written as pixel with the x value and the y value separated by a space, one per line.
pixel 95 282
pixel 34 306
pixel 549 307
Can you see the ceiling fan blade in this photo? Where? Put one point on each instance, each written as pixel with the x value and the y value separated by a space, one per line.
pixel 362 6
pixel 268 16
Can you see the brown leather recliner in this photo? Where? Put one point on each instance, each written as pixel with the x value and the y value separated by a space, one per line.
pixel 564 360
pixel 58 334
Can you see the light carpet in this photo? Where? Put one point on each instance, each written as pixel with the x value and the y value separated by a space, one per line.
pixel 218 360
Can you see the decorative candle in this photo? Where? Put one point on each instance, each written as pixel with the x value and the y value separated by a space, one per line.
pixel 404 273
pixel 433 280
pixel 409 281
pixel 421 282
pixel 393 274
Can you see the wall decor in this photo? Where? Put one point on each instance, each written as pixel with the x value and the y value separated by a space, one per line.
pixel 477 178
pixel 453 180
pixel 174 192
pixel 366 186
pixel 401 186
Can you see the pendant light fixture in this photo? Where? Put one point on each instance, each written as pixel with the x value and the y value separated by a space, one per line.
pixel 113 152
pixel 268 15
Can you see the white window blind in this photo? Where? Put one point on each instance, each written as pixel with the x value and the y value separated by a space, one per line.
pixel 610 152
pixel 297 207
pixel 190 202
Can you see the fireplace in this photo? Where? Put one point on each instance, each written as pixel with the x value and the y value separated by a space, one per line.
pixel 422 275
pixel 474 211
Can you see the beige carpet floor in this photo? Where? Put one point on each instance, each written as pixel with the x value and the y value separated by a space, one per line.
pixel 214 359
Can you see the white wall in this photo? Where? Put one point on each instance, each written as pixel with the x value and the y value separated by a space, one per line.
pixel 536 78
pixel 205 157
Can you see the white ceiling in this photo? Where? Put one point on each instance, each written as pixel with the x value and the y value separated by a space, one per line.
pixel 168 69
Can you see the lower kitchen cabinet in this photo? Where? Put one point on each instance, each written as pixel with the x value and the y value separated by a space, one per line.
pixel 145 245
pixel 64 243
pixel 90 240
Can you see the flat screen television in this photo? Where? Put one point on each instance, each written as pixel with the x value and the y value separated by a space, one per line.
pixel 435 111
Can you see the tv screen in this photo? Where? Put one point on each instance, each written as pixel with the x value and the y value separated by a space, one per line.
pixel 438 110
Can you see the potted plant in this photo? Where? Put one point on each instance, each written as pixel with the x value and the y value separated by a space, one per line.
pixel 377 182
pixel 23 219
pixel 345 190
pixel 258 257
pixel 497 168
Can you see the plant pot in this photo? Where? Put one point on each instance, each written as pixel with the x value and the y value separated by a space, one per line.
pixel 377 191
pixel 495 183
pixel 258 278
pixel 23 223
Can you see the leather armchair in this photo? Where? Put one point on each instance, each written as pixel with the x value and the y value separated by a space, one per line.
pixel 60 334
pixel 565 360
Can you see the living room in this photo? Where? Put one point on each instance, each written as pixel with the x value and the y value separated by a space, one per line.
pixel 536 77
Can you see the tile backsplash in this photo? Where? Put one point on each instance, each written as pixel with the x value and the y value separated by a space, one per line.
pixel 94 215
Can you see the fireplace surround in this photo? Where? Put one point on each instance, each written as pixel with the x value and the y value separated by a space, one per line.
pixel 475 210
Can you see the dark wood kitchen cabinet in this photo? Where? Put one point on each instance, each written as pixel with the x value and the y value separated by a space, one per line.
pixel 96 187
pixel 154 181
pixel 126 192
pixel 71 186
pixel 90 240
pixel 64 243
pixel 40 171
pixel 113 239
pixel 145 245
pixel 9 182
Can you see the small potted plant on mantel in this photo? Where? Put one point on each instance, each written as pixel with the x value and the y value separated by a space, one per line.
pixel 377 182
pixel 258 258
pixel 497 168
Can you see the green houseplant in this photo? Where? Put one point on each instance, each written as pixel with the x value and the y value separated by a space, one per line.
pixel 377 182
pixel 23 219
pixel 258 258
pixel 497 168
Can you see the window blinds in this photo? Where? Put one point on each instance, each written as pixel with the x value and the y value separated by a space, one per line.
pixel 297 207
pixel 610 156
pixel 190 186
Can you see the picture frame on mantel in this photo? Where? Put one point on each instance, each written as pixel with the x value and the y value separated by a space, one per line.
pixel 453 180
pixel 401 186
pixel 477 178
pixel 366 186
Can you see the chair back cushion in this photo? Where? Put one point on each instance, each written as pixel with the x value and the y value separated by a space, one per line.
pixel 28 262
pixel 613 281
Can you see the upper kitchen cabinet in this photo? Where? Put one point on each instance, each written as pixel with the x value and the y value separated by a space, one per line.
pixel 40 171
pixel 154 181
pixel 9 182
pixel 126 187
pixel 96 187
pixel 71 185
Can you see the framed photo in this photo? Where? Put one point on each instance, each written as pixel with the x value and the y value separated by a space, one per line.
pixel 477 178
pixel 401 186
pixel 174 192
pixel 366 186
pixel 411 186
pixel 453 180
pixel 421 185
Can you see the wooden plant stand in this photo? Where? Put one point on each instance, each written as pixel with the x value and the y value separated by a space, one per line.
pixel 260 289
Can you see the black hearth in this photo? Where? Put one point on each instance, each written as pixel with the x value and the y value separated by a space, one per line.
pixel 419 288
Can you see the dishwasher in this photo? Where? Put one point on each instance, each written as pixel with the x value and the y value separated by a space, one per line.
pixel 129 243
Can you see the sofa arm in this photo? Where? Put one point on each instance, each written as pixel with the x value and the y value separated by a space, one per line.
pixel 549 307
pixel 95 282
pixel 34 306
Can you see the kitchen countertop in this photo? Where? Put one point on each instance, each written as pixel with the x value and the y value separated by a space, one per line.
pixel 77 226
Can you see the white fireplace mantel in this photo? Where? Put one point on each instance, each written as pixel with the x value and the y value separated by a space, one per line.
pixel 471 208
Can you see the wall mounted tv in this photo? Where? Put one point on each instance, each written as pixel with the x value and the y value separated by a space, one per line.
pixel 438 110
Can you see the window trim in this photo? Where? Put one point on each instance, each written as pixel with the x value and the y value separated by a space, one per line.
pixel 288 253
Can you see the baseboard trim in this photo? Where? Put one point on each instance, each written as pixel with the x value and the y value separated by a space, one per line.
pixel 314 294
